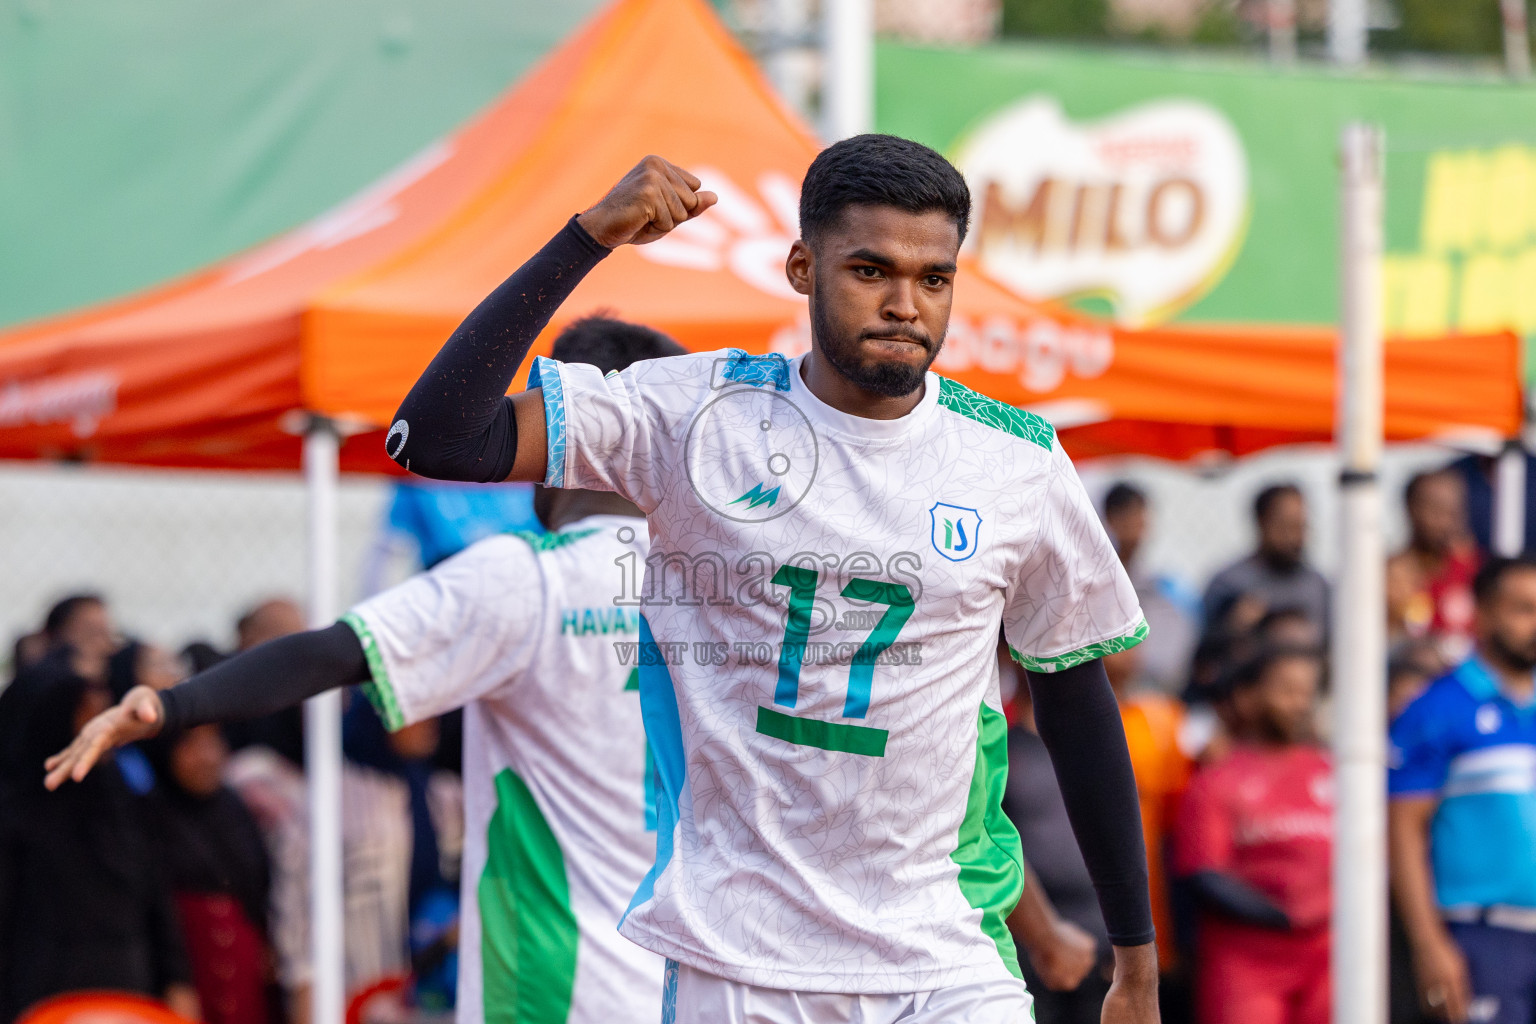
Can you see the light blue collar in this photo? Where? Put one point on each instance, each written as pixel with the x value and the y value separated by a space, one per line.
pixel 1479 679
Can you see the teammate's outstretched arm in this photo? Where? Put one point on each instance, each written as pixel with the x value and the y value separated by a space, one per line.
pixel 457 422
pixel 1079 721
pixel 276 675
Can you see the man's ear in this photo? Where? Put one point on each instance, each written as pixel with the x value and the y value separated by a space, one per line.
pixel 799 267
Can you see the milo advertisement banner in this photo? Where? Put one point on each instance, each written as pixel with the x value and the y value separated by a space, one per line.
pixel 1147 189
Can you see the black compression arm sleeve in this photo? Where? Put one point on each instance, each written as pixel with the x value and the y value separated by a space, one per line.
pixel 1079 721
pixel 456 423
pixel 1232 897
pixel 276 675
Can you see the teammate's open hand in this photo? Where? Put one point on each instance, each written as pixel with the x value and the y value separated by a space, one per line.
pixel 652 199
pixel 137 716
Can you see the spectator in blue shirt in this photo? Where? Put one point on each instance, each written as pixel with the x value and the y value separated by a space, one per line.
pixel 1463 814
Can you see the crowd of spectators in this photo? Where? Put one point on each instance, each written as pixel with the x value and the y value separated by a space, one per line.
pixel 183 874
pixel 1225 719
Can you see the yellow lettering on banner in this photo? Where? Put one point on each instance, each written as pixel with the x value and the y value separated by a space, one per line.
pixel 1523 285
pixel 1416 295
pixel 1508 190
pixel 1453 187
pixel 1485 302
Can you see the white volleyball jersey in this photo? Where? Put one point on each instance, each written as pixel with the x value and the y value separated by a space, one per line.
pixel 819 619
pixel 520 631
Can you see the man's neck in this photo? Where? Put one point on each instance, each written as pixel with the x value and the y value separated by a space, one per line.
pixel 828 384
pixel 1517 683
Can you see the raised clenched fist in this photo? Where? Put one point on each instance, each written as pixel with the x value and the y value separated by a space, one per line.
pixel 652 199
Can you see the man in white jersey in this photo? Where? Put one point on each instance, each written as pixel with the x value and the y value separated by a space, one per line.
pixel 520 631
pixel 836 540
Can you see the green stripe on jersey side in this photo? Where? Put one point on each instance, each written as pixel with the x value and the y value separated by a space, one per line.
pixel 812 732
pixel 379 690
pixel 528 933
pixel 989 853
pixel 973 405
pixel 1113 645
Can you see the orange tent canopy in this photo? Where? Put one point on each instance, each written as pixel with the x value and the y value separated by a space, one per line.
pixel 339 316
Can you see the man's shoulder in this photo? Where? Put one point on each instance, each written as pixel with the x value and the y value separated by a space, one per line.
pixel 1235 573
pixel 1006 420
pixel 1440 708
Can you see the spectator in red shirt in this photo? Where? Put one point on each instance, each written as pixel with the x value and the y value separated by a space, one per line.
pixel 1254 845
pixel 1429 582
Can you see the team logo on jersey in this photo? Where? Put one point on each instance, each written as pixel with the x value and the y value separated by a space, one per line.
pixel 758 495
pixel 956 531
pixel 751 454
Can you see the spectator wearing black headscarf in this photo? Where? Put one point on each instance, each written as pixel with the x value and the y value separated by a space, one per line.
pixel 215 861
pixel 83 904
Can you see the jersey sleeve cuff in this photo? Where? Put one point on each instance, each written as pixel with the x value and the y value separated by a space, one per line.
pixel 379 690
pixel 1061 662
pixel 546 374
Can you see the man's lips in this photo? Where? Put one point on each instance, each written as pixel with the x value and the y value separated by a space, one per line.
pixel 903 338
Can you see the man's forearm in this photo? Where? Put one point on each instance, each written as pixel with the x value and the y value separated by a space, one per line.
pixel 1231 897
pixel 1079 721
pixel 1412 882
pixel 274 676
pixel 456 423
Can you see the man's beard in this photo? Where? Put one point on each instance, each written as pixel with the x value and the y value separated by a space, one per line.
pixel 891 379
pixel 1521 657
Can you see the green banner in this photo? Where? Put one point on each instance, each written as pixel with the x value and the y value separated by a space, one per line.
pixel 1156 189
pixel 139 140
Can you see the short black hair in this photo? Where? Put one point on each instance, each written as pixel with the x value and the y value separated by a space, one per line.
pixel 880 170
pixel 1251 670
pixel 1264 502
pixel 61 613
pixel 1123 495
pixel 1418 480
pixel 1485 585
pixel 611 344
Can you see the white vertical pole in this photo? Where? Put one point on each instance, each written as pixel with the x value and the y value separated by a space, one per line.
pixel 1281 15
pixel 1509 501
pixel 1517 40
pixel 1348 25
pixel 322 737
pixel 1359 627
pixel 847 68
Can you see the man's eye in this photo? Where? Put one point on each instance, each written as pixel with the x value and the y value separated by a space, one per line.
pixel 869 272
pixel 935 281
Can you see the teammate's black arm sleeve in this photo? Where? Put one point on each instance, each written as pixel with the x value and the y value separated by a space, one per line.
pixel 1232 897
pixel 278 674
pixel 456 423
pixel 1079 721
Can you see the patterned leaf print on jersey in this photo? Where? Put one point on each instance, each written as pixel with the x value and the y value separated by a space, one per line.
pixel 976 406
pixel 752 455
pixel 1114 645
pixel 761 371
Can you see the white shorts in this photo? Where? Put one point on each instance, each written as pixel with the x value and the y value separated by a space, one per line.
pixel 689 996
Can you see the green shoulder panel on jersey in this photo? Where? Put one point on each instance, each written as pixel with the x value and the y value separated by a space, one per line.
pixel 974 405
pixel 541 542
pixel 379 690
pixel 528 932
pixel 989 852
pixel 1114 645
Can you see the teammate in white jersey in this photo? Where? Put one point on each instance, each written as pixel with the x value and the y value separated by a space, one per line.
pixel 524 633
pixel 836 540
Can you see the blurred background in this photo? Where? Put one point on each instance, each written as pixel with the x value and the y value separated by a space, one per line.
pixel 1150 174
